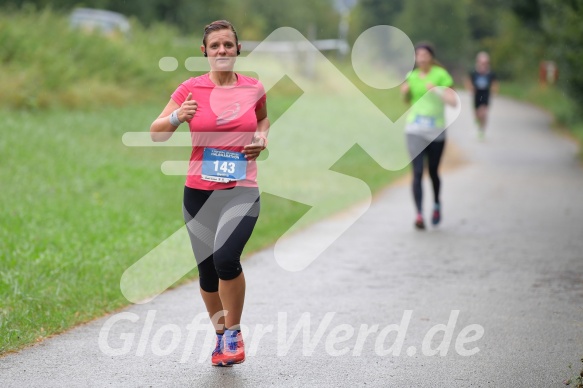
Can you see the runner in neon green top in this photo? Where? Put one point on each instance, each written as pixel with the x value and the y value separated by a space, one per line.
pixel 428 112
pixel 426 123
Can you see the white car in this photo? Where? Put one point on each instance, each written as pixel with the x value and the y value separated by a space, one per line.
pixel 109 23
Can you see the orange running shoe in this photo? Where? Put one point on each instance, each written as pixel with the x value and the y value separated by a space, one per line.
pixel 234 348
pixel 217 356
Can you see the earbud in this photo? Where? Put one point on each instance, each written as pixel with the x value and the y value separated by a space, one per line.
pixel 206 55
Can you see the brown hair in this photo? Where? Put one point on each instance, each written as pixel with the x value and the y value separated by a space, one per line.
pixel 431 49
pixel 216 26
pixel 427 46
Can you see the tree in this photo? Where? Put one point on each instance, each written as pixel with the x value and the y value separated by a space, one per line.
pixel 529 12
pixel 562 22
pixel 377 12
pixel 483 16
pixel 443 23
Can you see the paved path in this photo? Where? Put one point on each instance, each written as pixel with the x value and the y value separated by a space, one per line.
pixel 507 263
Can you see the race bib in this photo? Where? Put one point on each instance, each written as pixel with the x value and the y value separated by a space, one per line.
pixel 482 82
pixel 425 121
pixel 223 166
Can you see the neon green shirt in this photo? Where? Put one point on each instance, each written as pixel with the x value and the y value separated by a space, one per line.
pixel 431 109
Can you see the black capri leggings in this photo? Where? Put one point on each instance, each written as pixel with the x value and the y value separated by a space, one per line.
pixel 219 224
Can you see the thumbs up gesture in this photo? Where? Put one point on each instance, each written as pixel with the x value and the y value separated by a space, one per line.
pixel 187 109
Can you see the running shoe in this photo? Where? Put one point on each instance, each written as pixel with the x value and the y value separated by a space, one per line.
pixel 217 356
pixel 234 348
pixel 419 224
pixel 436 217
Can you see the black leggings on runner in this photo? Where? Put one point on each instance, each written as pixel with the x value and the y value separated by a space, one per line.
pixel 219 224
pixel 433 152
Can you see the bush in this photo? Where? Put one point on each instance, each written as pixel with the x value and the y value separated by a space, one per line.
pixel 44 63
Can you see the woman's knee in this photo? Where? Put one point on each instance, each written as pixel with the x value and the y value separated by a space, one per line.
pixel 208 279
pixel 227 263
pixel 433 173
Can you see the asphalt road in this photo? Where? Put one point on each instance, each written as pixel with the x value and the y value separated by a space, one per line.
pixel 491 298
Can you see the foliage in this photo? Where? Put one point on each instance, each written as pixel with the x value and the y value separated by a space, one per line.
pixel 563 25
pixel 529 12
pixel 515 51
pixel 44 63
pixel 254 18
pixel 370 13
pixel 551 30
pixel 444 23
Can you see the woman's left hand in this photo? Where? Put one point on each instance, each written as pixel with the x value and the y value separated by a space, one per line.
pixel 253 150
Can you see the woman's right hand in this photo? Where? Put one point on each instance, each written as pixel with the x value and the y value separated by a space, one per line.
pixel 188 109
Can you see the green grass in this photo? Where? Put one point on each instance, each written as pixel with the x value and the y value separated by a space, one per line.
pixel 566 114
pixel 79 208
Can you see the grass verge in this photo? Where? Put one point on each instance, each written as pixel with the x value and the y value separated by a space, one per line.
pixel 79 208
pixel 567 117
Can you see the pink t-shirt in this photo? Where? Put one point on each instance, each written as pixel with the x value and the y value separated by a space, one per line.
pixel 225 119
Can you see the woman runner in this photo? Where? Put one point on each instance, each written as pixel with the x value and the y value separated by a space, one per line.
pixel 426 124
pixel 227 116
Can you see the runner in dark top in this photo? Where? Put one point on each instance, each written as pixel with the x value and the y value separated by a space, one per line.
pixel 481 83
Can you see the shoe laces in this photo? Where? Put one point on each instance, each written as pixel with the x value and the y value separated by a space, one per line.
pixel 219 345
pixel 232 340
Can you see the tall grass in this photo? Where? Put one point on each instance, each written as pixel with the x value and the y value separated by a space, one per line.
pixel 45 64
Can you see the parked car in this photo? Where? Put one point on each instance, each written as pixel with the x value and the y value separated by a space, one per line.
pixel 109 23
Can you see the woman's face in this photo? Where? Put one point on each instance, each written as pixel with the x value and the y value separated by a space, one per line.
pixel 423 57
pixel 221 49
